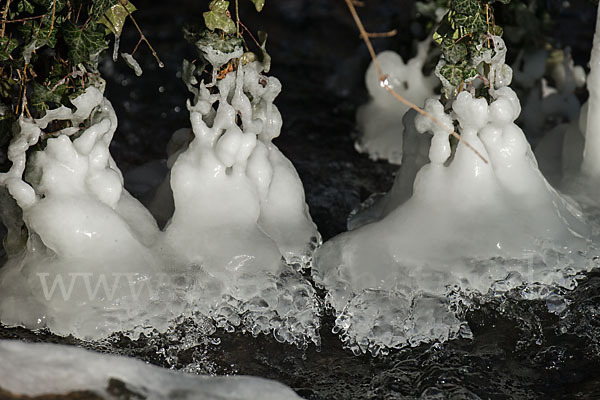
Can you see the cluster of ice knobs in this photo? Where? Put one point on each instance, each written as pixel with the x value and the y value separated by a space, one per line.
pixel 454 222
pixel 230 233
pixel 88 259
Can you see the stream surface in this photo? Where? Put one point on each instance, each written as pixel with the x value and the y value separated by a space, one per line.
pixel 519 349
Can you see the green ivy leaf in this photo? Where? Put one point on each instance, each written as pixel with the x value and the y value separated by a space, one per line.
pixel 204 38
pixel 453 52
pixel 51 5
pixel 42 96
pixel 83 44
pixel 453 73
pixel 445 28
pixel 44 35
pixel 98 8
pixel 466 7
pixel 217 17
pixel 497 30
pixel 259 4
pixel 7 46
pixel 114 18
pixel 25 6
pixel 470 73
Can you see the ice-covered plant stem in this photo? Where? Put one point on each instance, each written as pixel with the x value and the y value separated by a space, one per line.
pixel 452 224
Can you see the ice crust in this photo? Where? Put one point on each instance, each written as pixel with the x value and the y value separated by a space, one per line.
pixel 41 369
pixel 380 120
pixel 458 224
pixel 87 259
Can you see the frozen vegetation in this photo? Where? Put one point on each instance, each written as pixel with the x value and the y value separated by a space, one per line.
pixel 380 120
pixel 453 223
pixel 85 258
pixel 61 370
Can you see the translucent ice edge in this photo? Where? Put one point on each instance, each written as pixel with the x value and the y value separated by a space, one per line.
pixel 378 321
pixel 41 369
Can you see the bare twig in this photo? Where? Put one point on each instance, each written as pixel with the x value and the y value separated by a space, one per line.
pixel 53 16
pixel 391 33
pixel 237 17
pixel 4 15
pixel 384 84
pixel 142 36
pixel 22 19
pixel 250 33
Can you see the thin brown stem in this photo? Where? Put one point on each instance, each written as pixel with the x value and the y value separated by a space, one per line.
pixel 53 16
pixel 142 36
pixel 391 33
pixel 237 18
pixel 22 19
pixel 250 33
pixel 384 84
pixel 136 46
pixel 4 15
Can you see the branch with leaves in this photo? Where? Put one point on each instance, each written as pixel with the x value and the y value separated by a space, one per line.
pixel 220 32
pixel 465 33
pixel 384 83
pixel 49 53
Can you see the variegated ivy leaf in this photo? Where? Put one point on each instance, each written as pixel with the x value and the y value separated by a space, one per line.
pixel 454 52
pixel 83 43
pixel 7 46
pixel 453 73
pixel 259 4
pixel 217 17
pixel 114 18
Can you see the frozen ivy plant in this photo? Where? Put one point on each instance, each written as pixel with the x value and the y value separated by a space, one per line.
pixel 470 41
pixel 49 53
pixel 222 43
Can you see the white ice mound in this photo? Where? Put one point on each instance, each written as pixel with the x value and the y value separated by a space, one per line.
pixel 239 208
pixel 380 120
pixel 465 224
pixel 49 369
pixel 87 259
pixel 80 222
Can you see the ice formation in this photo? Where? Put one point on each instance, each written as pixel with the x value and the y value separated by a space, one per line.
pixel 569 152
pixel 547 104
pixel 380 120
pixel 86 258
pixel 49 369
pixel 453 224
pixel 250 194
pixel 239 208
pixel 80 221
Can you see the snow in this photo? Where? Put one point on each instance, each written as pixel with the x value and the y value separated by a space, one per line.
pixel 40 369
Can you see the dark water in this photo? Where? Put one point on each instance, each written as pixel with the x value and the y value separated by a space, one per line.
pixel 519 349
